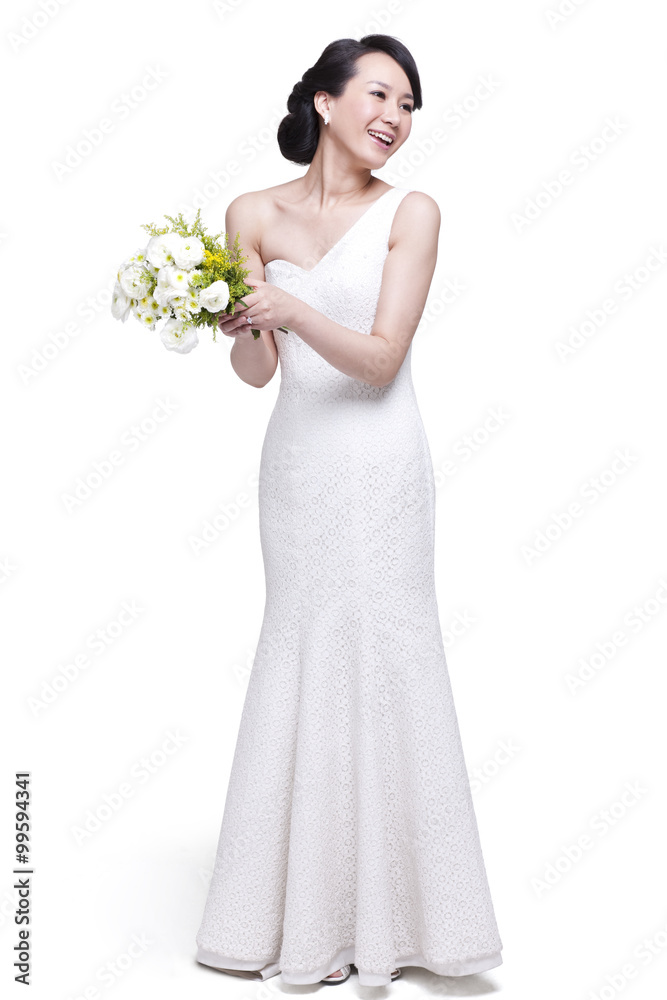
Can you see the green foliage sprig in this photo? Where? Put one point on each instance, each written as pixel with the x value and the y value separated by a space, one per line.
pixel 220 264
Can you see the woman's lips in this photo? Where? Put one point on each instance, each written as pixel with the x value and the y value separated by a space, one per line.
pixel 378 142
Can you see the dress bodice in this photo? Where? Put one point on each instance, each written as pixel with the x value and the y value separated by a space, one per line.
pixel 345 286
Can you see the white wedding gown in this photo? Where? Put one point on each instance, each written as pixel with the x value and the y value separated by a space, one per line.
pixel 348 833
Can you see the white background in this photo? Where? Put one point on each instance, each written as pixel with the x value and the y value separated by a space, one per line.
pixel 75 383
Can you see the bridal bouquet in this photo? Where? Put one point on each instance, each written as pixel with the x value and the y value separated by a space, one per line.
pixel 185 276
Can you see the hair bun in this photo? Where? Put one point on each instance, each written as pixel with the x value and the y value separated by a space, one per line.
pixel 299 131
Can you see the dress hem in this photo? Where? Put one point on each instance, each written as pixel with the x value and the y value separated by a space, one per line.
pixel 345 956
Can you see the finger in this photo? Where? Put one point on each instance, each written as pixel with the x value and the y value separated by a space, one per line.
pixel 224 318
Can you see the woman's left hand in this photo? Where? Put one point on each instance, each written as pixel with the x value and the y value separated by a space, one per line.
pixel 268 307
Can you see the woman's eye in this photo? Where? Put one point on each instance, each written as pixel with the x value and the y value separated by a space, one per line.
pixel 380 93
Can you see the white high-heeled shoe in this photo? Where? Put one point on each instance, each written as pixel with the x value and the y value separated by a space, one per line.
pixel 333 980
pixel 342 977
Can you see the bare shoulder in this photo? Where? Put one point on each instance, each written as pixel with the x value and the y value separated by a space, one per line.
pixel 417 219
pixel 258 205
pixel 419 207
pixel 244 211
pixel 255 212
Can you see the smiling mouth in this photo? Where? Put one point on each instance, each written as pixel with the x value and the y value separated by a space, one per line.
pixel 384 140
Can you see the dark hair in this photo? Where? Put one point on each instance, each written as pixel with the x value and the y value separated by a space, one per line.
pixel 299 130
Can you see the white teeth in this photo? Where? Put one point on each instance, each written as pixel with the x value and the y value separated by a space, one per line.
pixel 381 135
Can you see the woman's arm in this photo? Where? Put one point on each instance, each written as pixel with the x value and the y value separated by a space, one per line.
pixel 254 361
pixel 406 279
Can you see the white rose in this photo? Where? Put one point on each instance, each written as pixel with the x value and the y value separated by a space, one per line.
pixel 160 249
pixel 189 252
pixel 175 338
pixel 163 296
pixel 215 297
pixel 121 304
pixel 172 282
pixel 135 281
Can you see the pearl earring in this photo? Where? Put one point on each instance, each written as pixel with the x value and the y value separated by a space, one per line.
pixel 326 118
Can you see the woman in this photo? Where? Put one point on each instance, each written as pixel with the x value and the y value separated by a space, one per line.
pixel 348 836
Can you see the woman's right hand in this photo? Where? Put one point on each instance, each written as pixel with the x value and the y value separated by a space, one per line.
pixel 236 325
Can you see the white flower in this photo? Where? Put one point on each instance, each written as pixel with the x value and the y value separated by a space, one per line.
pixel 138 257
pixel 161 249
pixel 172 282
pixel 163 295
pixel 135 281
pixel 121 303
pixel 215 297
pixel 185 304
pixel 188 252
pixel 148 320
pixel 175 338
pixel 162 311
pixel 142 311
pixel 179 309
pixel 148 311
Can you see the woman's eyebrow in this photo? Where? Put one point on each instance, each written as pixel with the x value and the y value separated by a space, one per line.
pixel 389 87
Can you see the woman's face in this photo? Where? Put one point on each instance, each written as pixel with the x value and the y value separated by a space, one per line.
pixel 377 98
